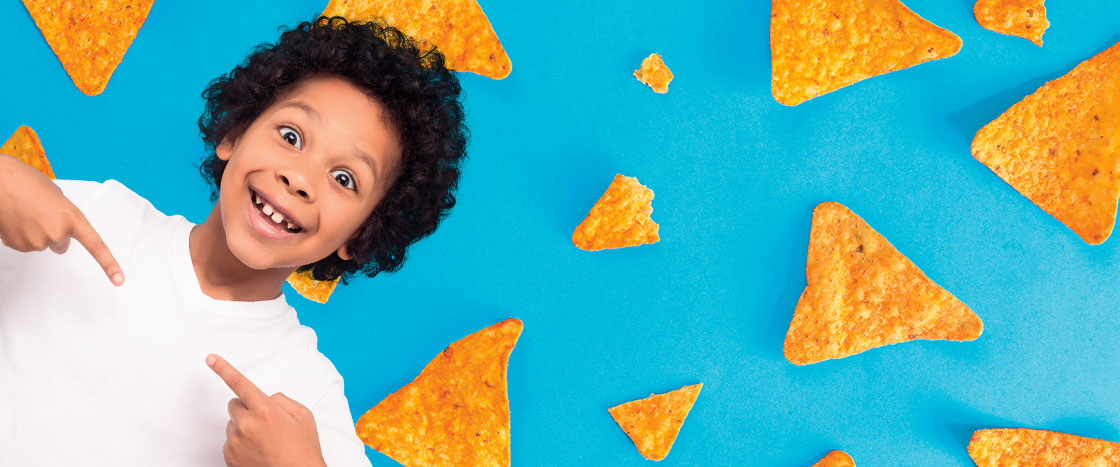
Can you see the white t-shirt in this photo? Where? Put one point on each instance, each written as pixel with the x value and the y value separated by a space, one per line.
pixel 92 374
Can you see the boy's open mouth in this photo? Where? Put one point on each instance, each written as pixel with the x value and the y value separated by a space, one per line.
pixel 271 216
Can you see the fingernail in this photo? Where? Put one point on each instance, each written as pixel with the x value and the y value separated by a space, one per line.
pixel 118 279
pixel 210 360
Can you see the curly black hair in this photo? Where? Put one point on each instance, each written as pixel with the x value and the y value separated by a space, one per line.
pixel 422 100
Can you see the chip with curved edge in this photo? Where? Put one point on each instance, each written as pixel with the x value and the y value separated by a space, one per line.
pixel 836 459
pixel 456 412
pixel 1060 146
pixel 24 145
pixel 1007 447
pixel 304 283
pixel 458 28
pixel 619 219
pixel 654 73
pixel 1022 18
pixel 89 37
pixel 654 422
pixel 862 294
pixel 819 46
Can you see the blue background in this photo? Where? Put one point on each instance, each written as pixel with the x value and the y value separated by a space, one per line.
pixel 736 176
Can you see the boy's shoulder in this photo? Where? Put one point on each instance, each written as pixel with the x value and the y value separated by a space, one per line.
pixel 115 211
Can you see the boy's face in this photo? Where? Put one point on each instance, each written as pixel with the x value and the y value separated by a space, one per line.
pixel 306 174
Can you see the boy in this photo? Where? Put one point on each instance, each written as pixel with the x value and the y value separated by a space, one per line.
pixel 334 150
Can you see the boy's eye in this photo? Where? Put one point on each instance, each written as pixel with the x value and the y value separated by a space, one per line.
pixel 344 178
pixel 291 137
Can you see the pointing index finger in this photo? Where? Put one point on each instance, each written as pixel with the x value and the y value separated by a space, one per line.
pixel 85 234
pixel 245 389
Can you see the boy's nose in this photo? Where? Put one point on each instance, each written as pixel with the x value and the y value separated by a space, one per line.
pixel 296 185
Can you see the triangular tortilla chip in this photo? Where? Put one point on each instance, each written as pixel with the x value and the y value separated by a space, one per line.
pixel 1023 18
pixel 653 423
pixel 819 46
pixel 458 28
pixel 456 412
pixel 304 283
pixel 999 447
pixel 619 219
pixel 862 294
pixel 1060 146
pixel 89 37
pixel 24 145
pixel 654 73
pixel 836 459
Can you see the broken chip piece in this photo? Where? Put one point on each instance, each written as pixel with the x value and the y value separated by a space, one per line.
pixel 819 46
pixel 862 294
pixel 1060 146
pixel 655 74
pixel 653 423
pixel 836 459
pixel 24 145
pixel 998 447
pixel 304 283
pixel 89 37
pixel 456 412
pixel 458 28
pixel 1023 18
pixel 619 219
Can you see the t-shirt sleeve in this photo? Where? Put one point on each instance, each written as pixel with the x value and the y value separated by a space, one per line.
pixel 340 443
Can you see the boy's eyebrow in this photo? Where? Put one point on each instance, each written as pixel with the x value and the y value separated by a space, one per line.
pixel 369 161
pixel 304 107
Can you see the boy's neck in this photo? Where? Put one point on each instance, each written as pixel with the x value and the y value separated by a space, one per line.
pixel 221 275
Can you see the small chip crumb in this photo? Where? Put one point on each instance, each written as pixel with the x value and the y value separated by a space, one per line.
pixel 654 74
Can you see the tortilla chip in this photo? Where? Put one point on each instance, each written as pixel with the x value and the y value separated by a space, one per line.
pixel 1060 146
pixel 24 145
pixel 653 423
pixel 89 37
pixel 619 219
pixel 836 459
pixel 819 46
pixel 1023 18
pixel 456 412
pixel 862 294
pixel 1026 447
pixel 655 74
pixel 306 285
pixel 458 28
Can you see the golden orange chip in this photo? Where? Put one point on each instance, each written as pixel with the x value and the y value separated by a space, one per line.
pixel 836 459
pixel 653 423
pixel 306 285
pixel 1060 146
pixel 819 46
pixel 654 73
pixel 458 28
pixel 89 37
pixel 456 412
pixel 619 219
pixel 24 145
pixel 862 294
pixel 1025 447
pixel 1023 18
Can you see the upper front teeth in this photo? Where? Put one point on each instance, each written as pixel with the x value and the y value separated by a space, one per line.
pixel 270 212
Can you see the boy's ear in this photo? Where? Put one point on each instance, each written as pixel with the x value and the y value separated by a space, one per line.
pixel 343 253
pixel 225 148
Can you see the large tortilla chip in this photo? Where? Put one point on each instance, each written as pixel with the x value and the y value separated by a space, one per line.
pixel 819 46
pixel 862 294
pixel 304 283
pixel 458 28
pixel 654 73
pixel 619 219
pixel 1060 146
pixel 836 459
pixel 1009 447
pixel 1023 18
pixel 456 412
pixel 653 423
pixel 24 145
pixel 89 37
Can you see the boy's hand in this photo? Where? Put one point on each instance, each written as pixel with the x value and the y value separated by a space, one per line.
pixel 264 430
pixel 35 215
